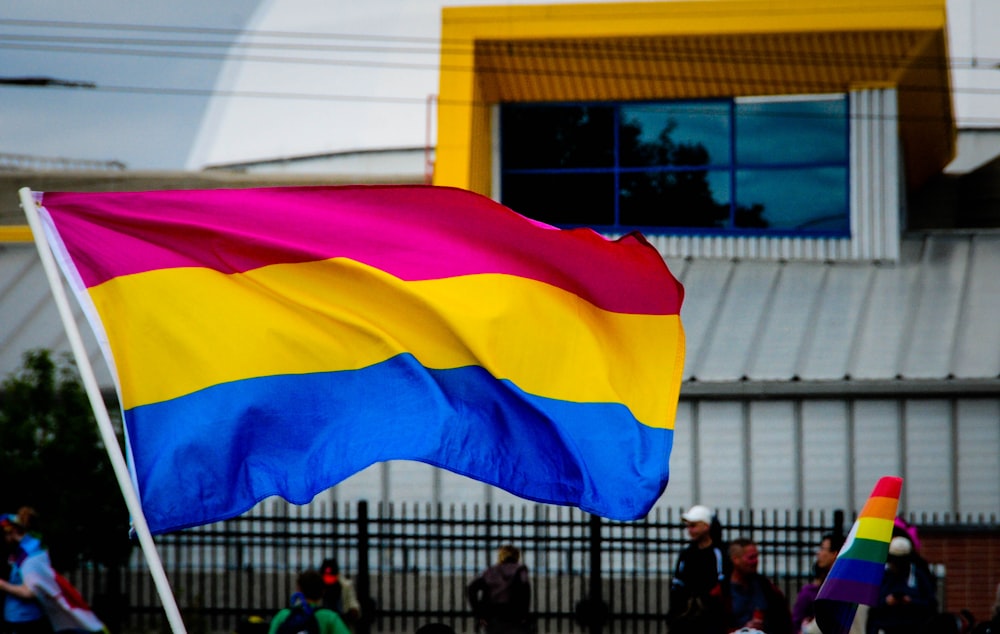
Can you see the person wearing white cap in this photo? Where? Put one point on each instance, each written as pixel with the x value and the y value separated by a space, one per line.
pixel 907 596
pixel 699 589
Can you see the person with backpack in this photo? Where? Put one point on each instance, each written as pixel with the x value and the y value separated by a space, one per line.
pixel 699 588
pixel 305 613
pixel 500 596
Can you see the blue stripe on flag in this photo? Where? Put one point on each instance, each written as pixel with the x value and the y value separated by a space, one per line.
pixel 214 454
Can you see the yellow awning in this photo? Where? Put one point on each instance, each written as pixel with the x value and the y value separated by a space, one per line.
pixel 690 50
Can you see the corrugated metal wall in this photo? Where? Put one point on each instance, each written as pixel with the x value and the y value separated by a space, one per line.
pixel 813 454
pixel 930 315
pixel 828 453
pixel 876 177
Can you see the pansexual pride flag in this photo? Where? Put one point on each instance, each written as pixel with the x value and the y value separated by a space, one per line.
pixel 857 572
pixel 276 341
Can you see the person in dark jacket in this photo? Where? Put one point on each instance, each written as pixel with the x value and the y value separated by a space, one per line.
pixel 500 596
pixel 908 594
pixel 699 589
pixel 756 602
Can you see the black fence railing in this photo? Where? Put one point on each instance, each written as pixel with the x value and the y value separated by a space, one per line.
pixel 410 564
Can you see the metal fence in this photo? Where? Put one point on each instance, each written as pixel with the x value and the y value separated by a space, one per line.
pixel 410 564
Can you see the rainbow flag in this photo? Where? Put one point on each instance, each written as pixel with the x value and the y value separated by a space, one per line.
pixel 857 572
pixel 276 341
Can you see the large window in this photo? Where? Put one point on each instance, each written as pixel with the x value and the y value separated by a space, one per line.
pixel 775 166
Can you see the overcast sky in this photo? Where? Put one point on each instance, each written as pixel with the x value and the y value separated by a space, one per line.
pixel 150 96
pixel 321 75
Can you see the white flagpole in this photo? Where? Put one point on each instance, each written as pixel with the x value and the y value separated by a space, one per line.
pixel 101 414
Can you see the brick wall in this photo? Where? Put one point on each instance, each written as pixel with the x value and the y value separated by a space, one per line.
pixel 972 567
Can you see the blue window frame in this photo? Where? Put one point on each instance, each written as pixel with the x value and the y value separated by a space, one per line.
pixel 757 166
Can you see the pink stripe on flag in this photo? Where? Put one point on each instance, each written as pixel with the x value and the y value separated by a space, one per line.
pixel 411 232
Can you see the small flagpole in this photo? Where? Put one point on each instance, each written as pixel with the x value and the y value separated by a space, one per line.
pixel 101 414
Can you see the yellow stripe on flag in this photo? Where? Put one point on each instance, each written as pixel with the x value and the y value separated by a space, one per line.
pixel 190 328
pixel 875 528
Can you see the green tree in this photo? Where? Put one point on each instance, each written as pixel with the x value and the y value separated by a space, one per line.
pixel 52 458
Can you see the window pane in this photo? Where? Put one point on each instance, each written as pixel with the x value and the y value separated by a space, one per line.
pixel 682 165
pixel 697 198
pixel 562 199
pixel 548 137
pixel 686 133
pixel 801 131
pixel 802 199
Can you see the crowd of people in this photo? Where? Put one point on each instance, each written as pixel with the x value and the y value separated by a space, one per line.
pixel 716 589
pixel 325 602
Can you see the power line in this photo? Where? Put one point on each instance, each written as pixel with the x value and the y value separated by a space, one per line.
pixel 246 38
pixel 565 48
pixel 34 82
pixel 217 44
pixel 421 100
pixel 549 50
pixel 693 105
pixel 217 56
pixel 740 58
pixel 159 28
pixel 579 12
pixel 39 81
pixel 572 50
pixel 258 94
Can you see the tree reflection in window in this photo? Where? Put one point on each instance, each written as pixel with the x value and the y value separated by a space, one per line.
pixel 671 165
pixel 683 195
pixel 680 197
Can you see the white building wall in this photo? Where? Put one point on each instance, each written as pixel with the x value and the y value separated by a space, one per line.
pixel 826 449
pixel 684 455
pixel 773 456
pixel 978 460
pixel 927 440
pixel 722 457
pixel 875 175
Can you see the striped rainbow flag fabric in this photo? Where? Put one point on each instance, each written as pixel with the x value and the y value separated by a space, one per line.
pixel 857 572
pixel 276 341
